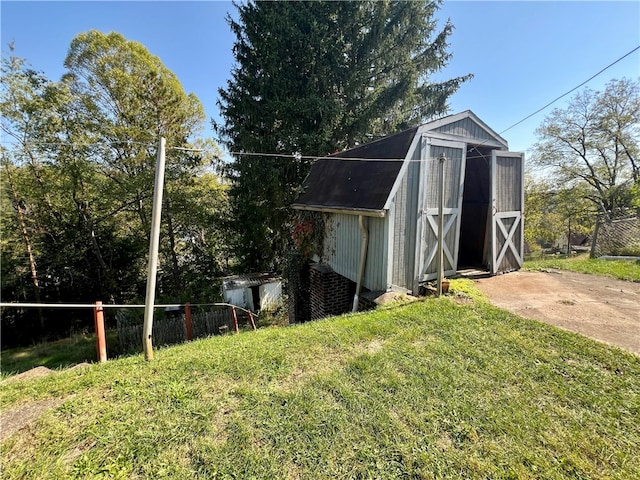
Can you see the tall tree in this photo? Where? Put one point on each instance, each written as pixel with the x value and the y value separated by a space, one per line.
pixel 312 78
pixel 130 99
pixel 595 142
pixel 77 179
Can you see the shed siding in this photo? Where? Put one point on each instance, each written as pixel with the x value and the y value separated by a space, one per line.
pixel 406 217
pixel 465 128
pixel 342 245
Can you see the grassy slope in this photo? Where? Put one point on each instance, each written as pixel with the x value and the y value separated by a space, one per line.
pixel 624 270
pixel 57 354
pixel 437 389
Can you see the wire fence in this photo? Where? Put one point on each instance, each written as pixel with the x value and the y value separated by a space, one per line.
pixel 617 234
pixel 177 324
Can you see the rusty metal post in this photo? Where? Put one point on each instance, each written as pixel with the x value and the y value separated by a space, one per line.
pixel 235 319
pixel 253 324
pixel 101 341
pixel 187 320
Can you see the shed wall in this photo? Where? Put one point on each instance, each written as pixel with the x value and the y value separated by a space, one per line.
pixel 405 221
pixel 343 243
pixel 465 128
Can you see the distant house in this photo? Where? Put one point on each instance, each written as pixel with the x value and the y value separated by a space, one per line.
pixel 579 242
pixel 253 292
pixel 380 207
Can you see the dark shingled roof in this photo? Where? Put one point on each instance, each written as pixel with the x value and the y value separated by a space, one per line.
pixel 339 183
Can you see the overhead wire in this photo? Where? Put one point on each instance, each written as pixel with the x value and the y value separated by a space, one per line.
pixel 331 156
pixel 570 91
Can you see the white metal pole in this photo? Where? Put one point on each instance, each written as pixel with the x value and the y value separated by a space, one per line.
pixel 441 224
pixel 153 252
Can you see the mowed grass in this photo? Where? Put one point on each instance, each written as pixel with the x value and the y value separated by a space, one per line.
pixel 65 352
pixel 445 388
pixel 621 269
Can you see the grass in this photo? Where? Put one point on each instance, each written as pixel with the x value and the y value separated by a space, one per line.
pixel 445 388
pixel 621 269
pixel 62 353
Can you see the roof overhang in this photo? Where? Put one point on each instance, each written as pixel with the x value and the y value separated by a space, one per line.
pixel 345 211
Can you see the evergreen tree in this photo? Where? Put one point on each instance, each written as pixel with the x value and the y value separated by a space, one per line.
pixel 313 78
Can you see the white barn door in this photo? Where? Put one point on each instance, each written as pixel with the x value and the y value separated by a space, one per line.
pixel 426 260
pixel 506 215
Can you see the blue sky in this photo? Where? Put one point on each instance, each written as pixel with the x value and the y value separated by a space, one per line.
pixel 523 54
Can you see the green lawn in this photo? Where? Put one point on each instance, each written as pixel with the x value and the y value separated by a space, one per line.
pixel 621 269
pixel 58 354
pixel 445 388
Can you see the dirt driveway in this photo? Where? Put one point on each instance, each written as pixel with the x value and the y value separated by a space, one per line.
pixel 598 307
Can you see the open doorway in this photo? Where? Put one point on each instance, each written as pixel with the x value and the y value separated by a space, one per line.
pixel 474 233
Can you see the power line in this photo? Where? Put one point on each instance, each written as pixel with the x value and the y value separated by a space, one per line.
pixel 297 156
pixel 570 91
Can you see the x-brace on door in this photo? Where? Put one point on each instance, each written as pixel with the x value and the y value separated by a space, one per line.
pixel 428 203
pixel 506 215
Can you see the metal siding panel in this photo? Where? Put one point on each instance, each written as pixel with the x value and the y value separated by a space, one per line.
pixel 400 221
pixel 343 243
pixel 375 274
pixel 411 221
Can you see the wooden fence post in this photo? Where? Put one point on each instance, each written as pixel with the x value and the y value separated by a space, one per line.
pixel 101 341
pixel 187 319
pixel 235 319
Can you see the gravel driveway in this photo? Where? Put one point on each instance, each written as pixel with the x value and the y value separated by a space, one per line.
pixel 599 307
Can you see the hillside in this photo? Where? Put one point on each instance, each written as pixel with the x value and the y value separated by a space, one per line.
pixel 449 388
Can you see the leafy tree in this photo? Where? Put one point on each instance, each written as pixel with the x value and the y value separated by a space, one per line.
pixel 313 78
pixel 77 178
pixel 26 107
pixel 595 143
pixel 131 99
pixel 552 211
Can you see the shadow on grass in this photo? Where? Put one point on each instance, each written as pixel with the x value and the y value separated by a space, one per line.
pixel 66 352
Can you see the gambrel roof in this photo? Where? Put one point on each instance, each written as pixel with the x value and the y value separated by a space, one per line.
pixel 360 180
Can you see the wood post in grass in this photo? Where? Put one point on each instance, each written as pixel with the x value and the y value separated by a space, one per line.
pixel 187 320
pixel 101 341
pixel 235 319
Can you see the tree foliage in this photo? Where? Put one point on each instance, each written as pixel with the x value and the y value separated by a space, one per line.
pixel 313 78
pixel 78 176
pixel 594 143
pixel 554 212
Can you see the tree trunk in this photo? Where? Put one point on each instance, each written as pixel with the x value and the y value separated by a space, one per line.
pixel 27 242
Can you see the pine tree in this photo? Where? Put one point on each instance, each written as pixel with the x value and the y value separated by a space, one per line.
pixel 313 78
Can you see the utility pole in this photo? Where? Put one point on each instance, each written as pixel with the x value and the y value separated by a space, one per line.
pixel 153 252
pixel 441 161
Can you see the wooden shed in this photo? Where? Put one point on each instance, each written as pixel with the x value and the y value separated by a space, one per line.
pixel 380 204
